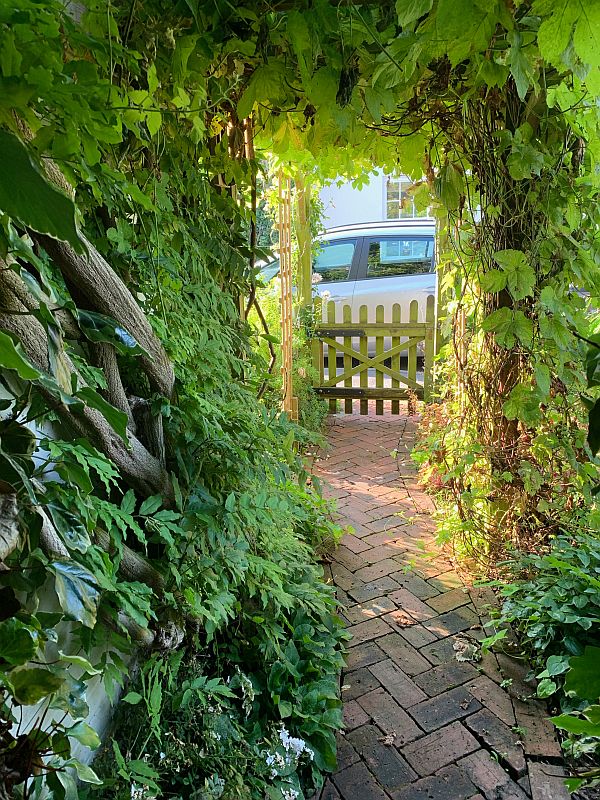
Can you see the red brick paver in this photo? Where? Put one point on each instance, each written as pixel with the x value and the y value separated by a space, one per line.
pixel 420 722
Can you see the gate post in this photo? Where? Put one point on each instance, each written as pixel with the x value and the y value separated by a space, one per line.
pixel 290 403
pixel 304 242
pixel 429 348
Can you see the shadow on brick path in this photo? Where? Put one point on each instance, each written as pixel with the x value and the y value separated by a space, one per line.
pixel 420 724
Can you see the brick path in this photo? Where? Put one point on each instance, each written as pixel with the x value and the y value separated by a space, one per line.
pixel 420 724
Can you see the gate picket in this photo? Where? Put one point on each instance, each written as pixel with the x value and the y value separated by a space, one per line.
pixel 347 316
pixel 379 317
pixel 364 352
pixel 395 361
pixel 331 355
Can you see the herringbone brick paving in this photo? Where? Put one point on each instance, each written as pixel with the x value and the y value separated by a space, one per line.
pixel 420 724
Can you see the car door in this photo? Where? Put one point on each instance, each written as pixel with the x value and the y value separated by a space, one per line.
pixel 395 268
pixel 334 271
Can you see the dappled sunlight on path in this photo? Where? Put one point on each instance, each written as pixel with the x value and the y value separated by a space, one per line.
pixel 426 715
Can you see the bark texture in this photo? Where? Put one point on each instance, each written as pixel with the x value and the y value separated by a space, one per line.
pixel 105 291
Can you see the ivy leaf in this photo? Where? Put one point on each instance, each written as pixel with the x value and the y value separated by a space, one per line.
pixel 31 685
pixel 584 676
pixel 80 661
pixel 300 39
pixel 84 772
pixel 579 725
pixel 26 195
pixel 411 10
pixel 71 698
pixel 508 326
pixel 17 644
pixel 77 591
pixel 100 328
pixel 85 734
pixel 542 378
pixel 524 160
pixel 546 688
pixel 13 357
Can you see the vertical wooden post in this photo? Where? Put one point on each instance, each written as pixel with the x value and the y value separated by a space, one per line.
pixel 429 348
pixel 412 350
pixel 290 403
pixel 304 242
pixel 331 357
pixel 317 345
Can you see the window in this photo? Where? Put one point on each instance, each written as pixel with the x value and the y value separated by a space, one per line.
pixel 397 255
pixel 399 203
pixel 334 259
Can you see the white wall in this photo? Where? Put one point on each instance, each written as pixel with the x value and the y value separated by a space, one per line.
pixel 345 205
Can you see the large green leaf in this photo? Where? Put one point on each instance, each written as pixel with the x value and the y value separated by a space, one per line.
pixel 588 725
pixel 411 10
pixel 26 195
pixel 266 84
pixel 85 734
pixel 584 676
pixel 17 644
pixel 70 528
pixel 71 698
pixel 31 685
pixel 13 357
pixel 594 427
pixel 115 418
pixel 77 591
pixel 520 275
pixel 100 328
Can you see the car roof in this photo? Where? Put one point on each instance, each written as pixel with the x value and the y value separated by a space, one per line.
pixel 424 226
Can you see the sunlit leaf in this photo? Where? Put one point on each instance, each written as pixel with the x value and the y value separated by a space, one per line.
pixel 31 685
pixel 77 591
pixel 26 195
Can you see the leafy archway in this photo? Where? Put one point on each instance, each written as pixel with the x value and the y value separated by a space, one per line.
pixel 163 517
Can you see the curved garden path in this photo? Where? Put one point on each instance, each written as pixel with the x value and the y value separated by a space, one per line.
pixel 420 724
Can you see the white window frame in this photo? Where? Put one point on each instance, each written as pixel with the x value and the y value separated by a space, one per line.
pixel 402 213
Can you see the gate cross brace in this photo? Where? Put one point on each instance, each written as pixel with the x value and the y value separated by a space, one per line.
pixel 376 361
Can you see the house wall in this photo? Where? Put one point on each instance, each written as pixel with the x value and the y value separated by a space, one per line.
pixel 345 205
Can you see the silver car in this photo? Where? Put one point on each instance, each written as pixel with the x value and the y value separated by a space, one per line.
pixel 378 264
pixel 375 264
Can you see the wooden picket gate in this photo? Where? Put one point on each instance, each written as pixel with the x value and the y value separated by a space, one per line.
pixel 396 369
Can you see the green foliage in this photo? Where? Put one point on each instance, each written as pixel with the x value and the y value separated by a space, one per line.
pixel 138 108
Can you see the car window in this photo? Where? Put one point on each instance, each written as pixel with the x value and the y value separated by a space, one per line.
pixel 334 259
pixel 399 255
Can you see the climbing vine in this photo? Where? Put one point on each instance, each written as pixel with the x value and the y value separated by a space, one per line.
pixel 146 493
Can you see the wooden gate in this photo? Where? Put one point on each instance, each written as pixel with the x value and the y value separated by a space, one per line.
pixel 375 359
